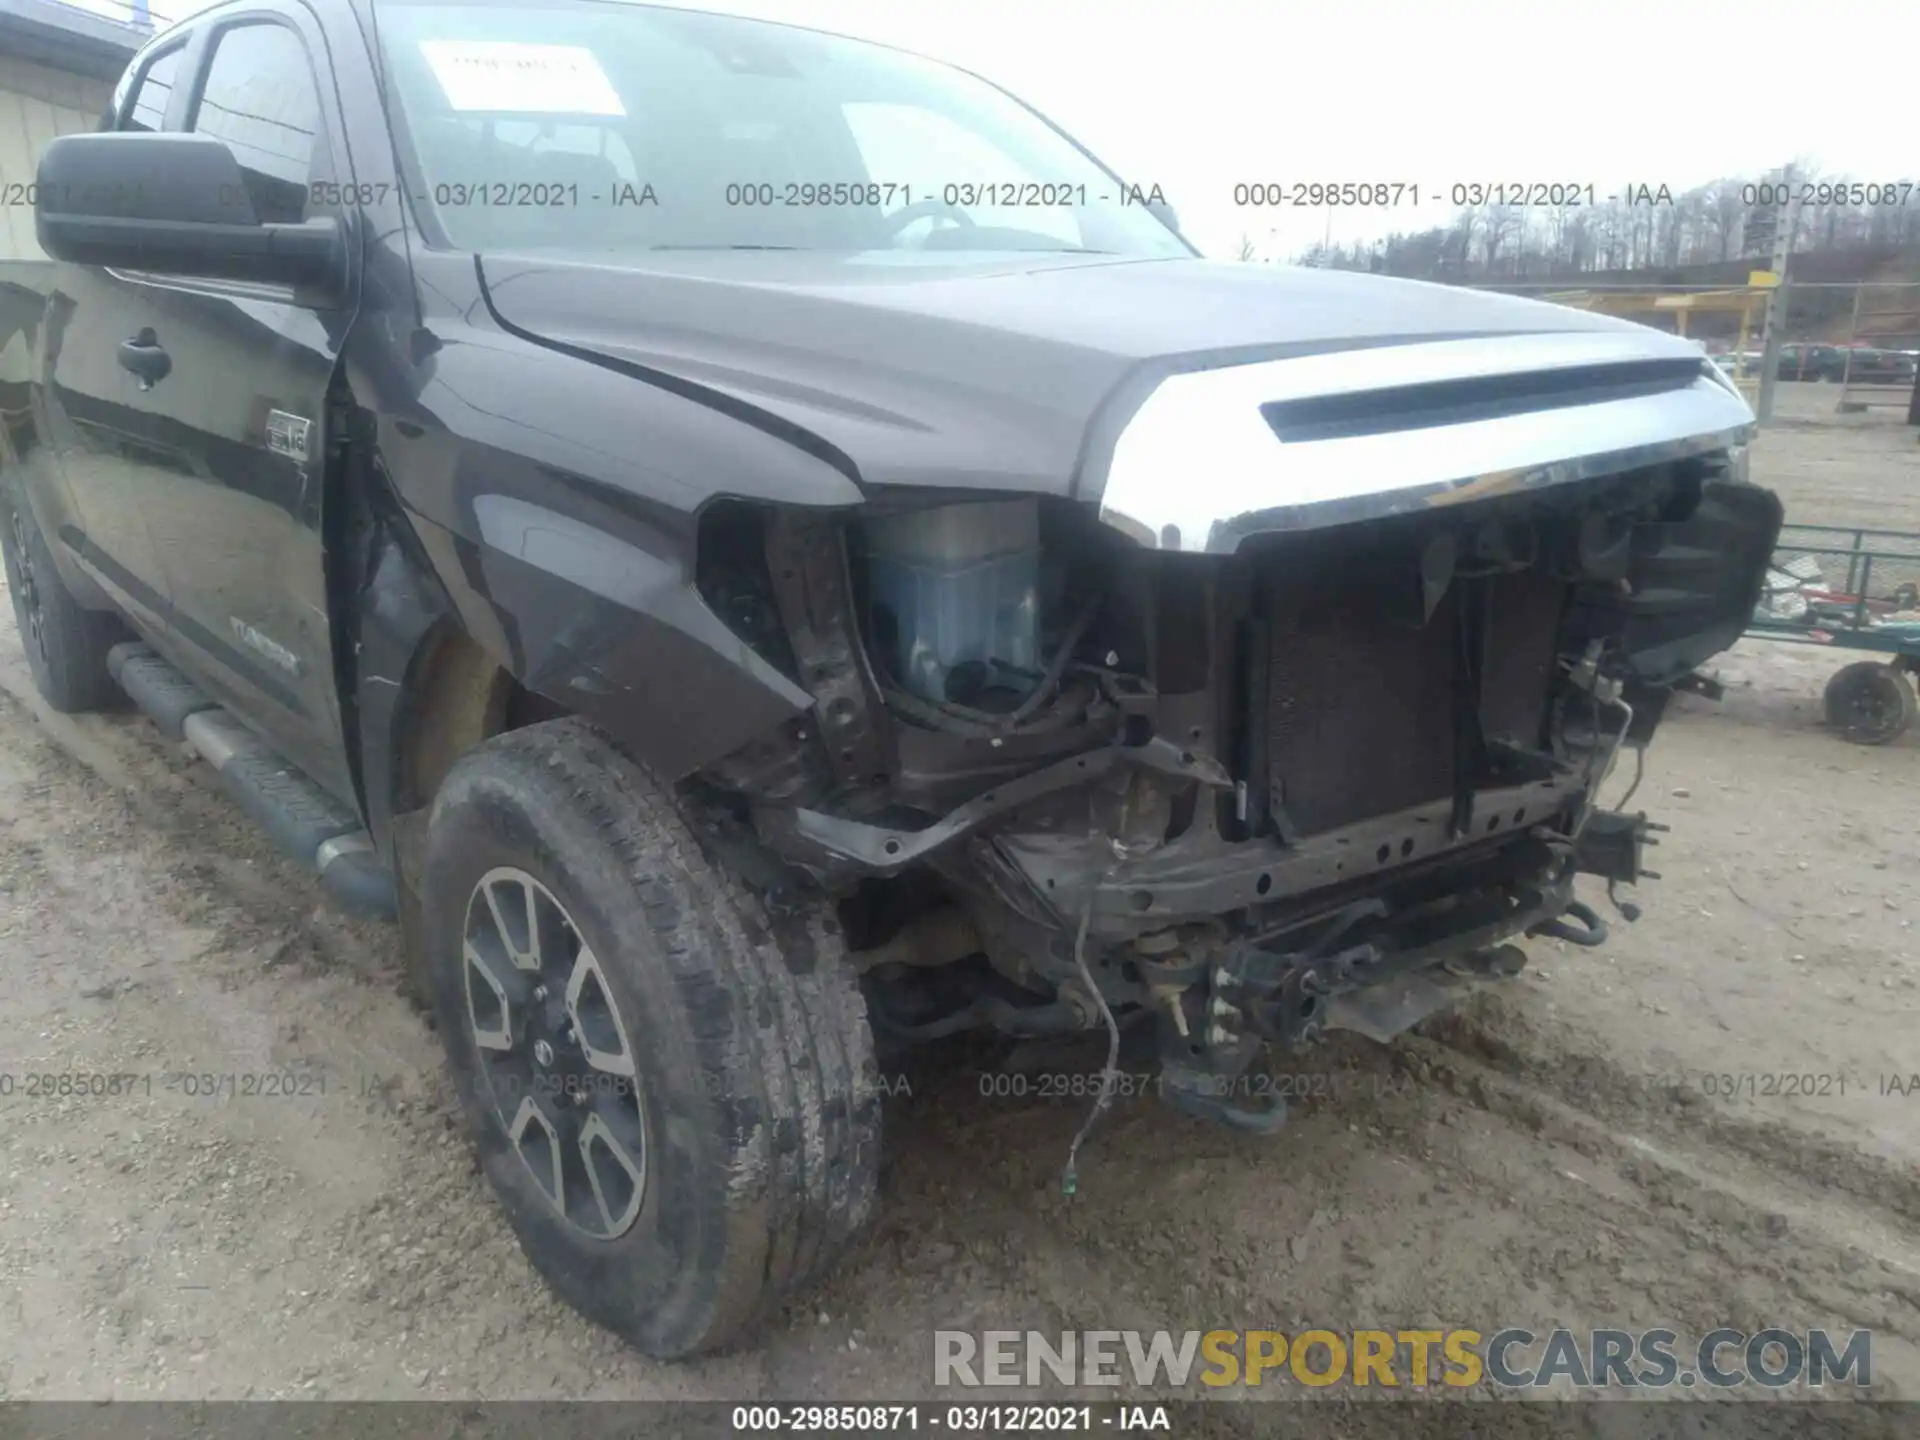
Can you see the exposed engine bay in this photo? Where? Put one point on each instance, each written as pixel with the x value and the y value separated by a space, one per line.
pixel 1056 780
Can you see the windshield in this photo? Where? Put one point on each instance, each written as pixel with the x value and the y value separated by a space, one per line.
pixel 594 125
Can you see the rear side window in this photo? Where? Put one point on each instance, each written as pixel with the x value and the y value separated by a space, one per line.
pixel 152 94
pixel 260 100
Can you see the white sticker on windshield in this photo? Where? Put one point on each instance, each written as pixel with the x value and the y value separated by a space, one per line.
pixel 508 75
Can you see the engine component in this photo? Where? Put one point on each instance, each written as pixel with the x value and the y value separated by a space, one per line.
pixel 956 601
pixel 939 936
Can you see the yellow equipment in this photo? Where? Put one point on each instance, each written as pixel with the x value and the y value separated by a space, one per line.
pixel 1746 301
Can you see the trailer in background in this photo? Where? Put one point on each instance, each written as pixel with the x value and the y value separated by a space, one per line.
pixel 1851 589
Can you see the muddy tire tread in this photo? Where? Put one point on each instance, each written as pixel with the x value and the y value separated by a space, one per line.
pixel 792 1049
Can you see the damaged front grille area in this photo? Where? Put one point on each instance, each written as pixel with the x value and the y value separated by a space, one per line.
pixel 1248 795
pixel 1362 714
pixel 1358 715
pixel 1407 687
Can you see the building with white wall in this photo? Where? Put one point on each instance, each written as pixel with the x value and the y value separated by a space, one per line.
pixel 58 64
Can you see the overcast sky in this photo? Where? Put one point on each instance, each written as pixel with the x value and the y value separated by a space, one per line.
pixel 1198 95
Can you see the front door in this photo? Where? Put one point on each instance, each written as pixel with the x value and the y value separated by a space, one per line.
pixel 238 525
pixel 103 420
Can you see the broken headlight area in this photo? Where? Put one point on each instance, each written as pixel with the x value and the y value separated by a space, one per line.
pixel 1059 781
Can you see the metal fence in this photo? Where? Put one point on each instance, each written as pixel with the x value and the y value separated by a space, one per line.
pixel 1865 573
pixel 1885 317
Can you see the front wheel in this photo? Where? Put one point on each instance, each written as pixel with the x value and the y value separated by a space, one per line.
pixel 1870 703
pixel 66 645
pixel 678 1111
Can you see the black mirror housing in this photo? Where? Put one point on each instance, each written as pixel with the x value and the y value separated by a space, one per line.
pixel 172 204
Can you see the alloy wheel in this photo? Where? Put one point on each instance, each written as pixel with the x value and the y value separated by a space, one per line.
pixel 26 589
pixel 555 1056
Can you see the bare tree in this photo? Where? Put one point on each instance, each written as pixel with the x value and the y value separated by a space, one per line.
pixel 1725 211
pixel 1499 225
pixel 1707 225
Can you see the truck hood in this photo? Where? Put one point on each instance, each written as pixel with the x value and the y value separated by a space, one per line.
pixel 1025 372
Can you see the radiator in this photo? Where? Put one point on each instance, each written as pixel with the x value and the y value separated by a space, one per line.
pixel 1359 716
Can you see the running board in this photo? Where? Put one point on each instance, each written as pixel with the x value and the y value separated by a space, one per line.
pixel 304 821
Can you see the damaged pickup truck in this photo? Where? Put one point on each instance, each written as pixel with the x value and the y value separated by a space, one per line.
pixel 753 545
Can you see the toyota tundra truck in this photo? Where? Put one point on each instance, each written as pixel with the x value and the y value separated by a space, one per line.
pixel 752 546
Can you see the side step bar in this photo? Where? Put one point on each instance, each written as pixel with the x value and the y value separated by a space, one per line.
pixel 304 821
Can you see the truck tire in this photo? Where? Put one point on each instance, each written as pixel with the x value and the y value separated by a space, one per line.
pixel 576 936
pixel 66 645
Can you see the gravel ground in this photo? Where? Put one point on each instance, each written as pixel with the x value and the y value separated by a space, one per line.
pixel 1555 1153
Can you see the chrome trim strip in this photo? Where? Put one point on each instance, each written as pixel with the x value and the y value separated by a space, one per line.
pixel 1198 469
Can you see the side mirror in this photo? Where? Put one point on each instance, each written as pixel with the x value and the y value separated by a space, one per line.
pixel 174 204
pixel 1164 213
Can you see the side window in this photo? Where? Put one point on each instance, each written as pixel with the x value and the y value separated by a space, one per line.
pixel 259 99
pixel 152 94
